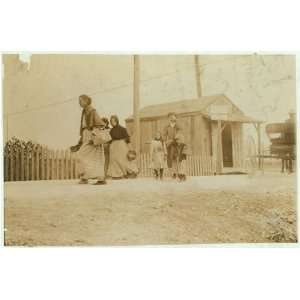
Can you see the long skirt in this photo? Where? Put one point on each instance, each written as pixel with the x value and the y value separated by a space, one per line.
pixel 119 166
pixel 91 159
pixel 106 156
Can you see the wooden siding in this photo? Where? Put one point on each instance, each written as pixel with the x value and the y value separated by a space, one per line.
pixel 237 145
pixel 196 129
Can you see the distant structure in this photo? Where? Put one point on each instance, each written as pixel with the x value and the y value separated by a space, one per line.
pixel 213 126
pixel 25 61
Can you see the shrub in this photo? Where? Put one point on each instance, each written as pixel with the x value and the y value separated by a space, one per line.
pixel 15 145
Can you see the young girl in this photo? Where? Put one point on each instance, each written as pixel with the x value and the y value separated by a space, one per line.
pixel 180 156
pixel 158 153
pixel 106 147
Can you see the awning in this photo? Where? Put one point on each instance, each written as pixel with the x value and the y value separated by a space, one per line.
pixel 239 118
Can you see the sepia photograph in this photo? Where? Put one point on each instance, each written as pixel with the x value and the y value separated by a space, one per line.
pixel 149 149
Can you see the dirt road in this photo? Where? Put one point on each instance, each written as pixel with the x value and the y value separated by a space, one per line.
pixel 217 209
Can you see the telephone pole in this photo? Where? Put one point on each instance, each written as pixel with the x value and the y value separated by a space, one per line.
pixel 197 72
pixel 136 103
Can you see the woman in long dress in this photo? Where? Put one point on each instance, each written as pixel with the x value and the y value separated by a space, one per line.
pixel 119 165
pixel 90 157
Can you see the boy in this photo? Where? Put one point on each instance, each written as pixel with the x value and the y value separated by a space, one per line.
pixel 169 133
pixel 181 156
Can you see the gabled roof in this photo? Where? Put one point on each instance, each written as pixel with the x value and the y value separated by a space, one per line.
pixel 181 107
pixel 191 106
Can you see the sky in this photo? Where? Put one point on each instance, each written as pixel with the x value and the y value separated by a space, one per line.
pixel 41 98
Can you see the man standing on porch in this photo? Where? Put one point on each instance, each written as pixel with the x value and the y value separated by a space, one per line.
pixel 169 134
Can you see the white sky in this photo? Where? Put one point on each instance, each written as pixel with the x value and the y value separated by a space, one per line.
pixel 263 87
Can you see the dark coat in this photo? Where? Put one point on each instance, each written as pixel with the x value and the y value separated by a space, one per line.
pixel 180 152
pixel 119 133
pixel 169 134
pixel 92 119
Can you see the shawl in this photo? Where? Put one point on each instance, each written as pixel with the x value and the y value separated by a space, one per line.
pixel 92 119
pixel 119 133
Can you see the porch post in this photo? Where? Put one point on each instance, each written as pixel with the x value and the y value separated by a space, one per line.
pixel 259 146
pixel 219 153
pixel 136 104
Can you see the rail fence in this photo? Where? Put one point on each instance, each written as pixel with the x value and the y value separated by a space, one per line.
pixel 46 164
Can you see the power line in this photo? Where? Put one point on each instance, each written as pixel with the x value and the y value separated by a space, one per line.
pixel 103 91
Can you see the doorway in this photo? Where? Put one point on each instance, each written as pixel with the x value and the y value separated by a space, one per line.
pixel 227 146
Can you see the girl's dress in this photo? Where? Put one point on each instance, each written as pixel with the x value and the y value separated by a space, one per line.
pixel 158 152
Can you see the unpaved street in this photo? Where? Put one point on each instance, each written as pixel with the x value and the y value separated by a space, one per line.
pixel 217 209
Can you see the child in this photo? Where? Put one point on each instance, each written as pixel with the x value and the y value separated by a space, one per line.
pixel 106 147
pixel 158 154
pixel 181 155
pixel 132 168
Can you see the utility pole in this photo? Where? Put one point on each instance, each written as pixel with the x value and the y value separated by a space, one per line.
pixel 197 71
pixel 136 103
pixel 5 124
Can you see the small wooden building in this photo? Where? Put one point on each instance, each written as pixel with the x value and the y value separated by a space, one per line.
pixel 212 126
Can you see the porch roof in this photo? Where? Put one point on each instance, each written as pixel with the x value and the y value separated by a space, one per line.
pixel 239 118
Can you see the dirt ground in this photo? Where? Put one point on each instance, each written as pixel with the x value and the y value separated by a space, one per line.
pixel 216 209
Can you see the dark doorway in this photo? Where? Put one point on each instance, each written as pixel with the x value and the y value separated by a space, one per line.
pixel 227 146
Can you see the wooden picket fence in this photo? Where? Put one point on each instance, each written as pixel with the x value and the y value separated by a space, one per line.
pixel 40 164
pixel 196 166
pixel 47 164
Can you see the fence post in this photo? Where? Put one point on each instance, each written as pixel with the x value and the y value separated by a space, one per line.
pixel 27 165
pixel 72 165
pixel 33 164
pixel 198 165
pixel 206 164
pixel 52 161
pixel 50 164
pixel 57 164
pixel 22 164
pixel 17 166
pixel 6 162
pixel 194 165
pixel 144 164
pixel 37 163
pixel 76 166
pixel 201 165
pixel 47 153
pixel 67 158
pixel 193 159
pixel 42 163
pixel 63 166
pixel 12 162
